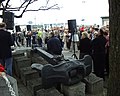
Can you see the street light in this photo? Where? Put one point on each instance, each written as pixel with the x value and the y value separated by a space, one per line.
pixel 35 20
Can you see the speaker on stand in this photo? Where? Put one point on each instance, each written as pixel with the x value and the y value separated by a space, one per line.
pixel 73 30
pixel 17 28
pixel 8 18
pixel 28 27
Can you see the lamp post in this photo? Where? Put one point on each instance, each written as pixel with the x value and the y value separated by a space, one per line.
pixel 35 20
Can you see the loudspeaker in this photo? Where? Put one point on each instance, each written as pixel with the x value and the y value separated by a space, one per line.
pixel 8 18
pixel 72 25
pixel 28 27
pixel 17 28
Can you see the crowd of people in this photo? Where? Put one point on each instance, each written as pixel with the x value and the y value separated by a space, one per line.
pixel 93 41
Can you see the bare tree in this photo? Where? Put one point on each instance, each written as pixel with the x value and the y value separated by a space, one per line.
pixel 5 6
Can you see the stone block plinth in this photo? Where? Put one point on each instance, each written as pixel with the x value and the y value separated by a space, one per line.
pixel 28 73
pixel 34 85
pixel 49 92
pixel 21 62
pixel 94 84
pixel 74 90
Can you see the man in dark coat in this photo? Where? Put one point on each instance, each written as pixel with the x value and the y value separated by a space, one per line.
pixel 98 49
pixel 54 45
pixel 5 48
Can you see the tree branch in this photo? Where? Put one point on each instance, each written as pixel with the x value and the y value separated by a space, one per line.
pixel 7 4
pixel 24 7
pixel 51 7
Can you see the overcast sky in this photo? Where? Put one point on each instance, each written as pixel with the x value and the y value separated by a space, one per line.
pixel 90 10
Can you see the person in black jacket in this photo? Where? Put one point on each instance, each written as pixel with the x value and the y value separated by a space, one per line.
pixel 98 53
pixel 84 45
pixel 5 48
pixel 54 45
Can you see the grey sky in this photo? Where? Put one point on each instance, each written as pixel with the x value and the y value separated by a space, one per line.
pixel 91 11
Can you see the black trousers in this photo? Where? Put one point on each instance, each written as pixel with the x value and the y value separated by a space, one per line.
pixel 99 64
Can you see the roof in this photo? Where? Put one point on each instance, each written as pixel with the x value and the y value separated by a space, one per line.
pixel 105 17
